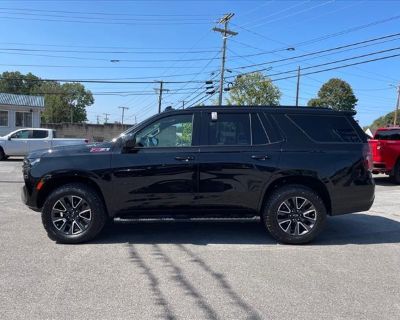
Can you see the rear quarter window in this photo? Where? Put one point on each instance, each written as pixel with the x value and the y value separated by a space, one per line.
pixel 326 128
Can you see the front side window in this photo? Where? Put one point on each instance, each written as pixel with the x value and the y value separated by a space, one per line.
pixel 23 119
pixel 172 131
pixel 3 118
pixel 22 134
pixel 229 129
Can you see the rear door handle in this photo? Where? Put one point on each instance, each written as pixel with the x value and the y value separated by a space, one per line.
pixel 186 159
pixel 260 157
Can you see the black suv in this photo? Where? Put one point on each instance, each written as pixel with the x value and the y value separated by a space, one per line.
pixel 292 166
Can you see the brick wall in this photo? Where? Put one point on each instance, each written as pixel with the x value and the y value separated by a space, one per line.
pixel 92 132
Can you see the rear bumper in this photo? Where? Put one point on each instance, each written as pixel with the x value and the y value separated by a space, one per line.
pixel 379 167
pixel 354 199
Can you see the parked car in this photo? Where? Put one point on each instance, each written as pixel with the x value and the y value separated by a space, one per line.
pixel 290 166
pixel 23 141
pixel 385 147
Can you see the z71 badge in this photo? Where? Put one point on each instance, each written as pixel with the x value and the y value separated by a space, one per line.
pixel 99 150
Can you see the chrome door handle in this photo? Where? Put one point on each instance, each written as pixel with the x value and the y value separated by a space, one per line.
pixel 186 159
pixel 260 157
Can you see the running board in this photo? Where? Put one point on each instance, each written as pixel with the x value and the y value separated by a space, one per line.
pixel 171 219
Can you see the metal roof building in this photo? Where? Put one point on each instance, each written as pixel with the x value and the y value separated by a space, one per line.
pixel 21 100
pixel 19 111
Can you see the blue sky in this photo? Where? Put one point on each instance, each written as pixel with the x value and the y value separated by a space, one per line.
pixel 173 41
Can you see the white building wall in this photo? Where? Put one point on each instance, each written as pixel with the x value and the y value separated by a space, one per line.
pixel 11 117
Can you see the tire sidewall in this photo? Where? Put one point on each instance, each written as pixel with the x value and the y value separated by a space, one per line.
pixel 396 175
pixel 95 204
pixel 271 210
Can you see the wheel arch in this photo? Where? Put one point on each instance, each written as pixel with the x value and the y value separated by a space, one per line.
pixel 308 181
pixel 57 181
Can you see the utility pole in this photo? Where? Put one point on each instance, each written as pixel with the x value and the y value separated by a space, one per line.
pixel 225 32
pixel 396 111
pixel 160 92
pixel 183 104
pixel 106 117
pixel 73 105
pixel 298 86
pixel 123 112
pixel 98 119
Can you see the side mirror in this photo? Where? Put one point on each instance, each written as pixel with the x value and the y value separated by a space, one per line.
pixel 130 145
pixel 9 138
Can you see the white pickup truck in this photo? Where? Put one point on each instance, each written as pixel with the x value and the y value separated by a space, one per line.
pixel 23 141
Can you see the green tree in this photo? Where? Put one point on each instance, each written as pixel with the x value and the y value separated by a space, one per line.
pixel 383 121
pixel 16 82
pixel 61 100
pixel 254 89
pixel 335 94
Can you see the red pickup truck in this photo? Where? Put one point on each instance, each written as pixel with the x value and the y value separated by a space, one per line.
pixel 385 147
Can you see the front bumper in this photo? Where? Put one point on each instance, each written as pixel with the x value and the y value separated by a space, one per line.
pixel 28 199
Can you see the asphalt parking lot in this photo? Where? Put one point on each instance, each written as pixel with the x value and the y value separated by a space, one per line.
pixel 200 270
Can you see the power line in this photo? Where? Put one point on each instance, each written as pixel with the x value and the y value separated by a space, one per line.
pixel 104 59
pixel 316 52
pixel 327 36
pixel 293 14
pixel 343 66
pixel 103 81
pixel 104 22
pixel 102 47
pixel 327 63
pixel 276 13
pixel 106 13
pixel 100 67
pixel 104 51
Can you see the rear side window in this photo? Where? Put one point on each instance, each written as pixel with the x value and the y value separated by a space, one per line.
pixel 388 135
pixel 258 131
pixel 229 129
pixel 326 128
pixel 40 134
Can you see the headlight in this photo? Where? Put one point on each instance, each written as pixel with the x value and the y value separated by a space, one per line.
pixel 34 161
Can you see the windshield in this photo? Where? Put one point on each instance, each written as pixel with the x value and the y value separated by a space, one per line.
pixel 388 134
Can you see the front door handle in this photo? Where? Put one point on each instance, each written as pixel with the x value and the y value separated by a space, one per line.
pixel 186 159
pixel 260 157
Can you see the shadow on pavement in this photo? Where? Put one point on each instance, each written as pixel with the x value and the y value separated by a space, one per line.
pixel 347 229
pixel 17 159
pixel 173 271
pixel 385 181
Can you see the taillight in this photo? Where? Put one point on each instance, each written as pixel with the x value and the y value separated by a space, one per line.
pixel 367 156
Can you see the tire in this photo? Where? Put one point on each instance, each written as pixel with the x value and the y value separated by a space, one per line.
pixel 2 155
pixel 396 173
pixel 73 213
pixel 309 218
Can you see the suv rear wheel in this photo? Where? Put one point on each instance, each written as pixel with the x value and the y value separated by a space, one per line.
pixel 73 213
pixel 294 214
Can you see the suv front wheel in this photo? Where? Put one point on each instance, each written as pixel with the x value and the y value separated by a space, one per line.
pixel 294 214
pixel 73 213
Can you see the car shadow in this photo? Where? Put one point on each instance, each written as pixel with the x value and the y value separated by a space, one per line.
pixel 385 181
pixel 348 229
pixel 16 159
